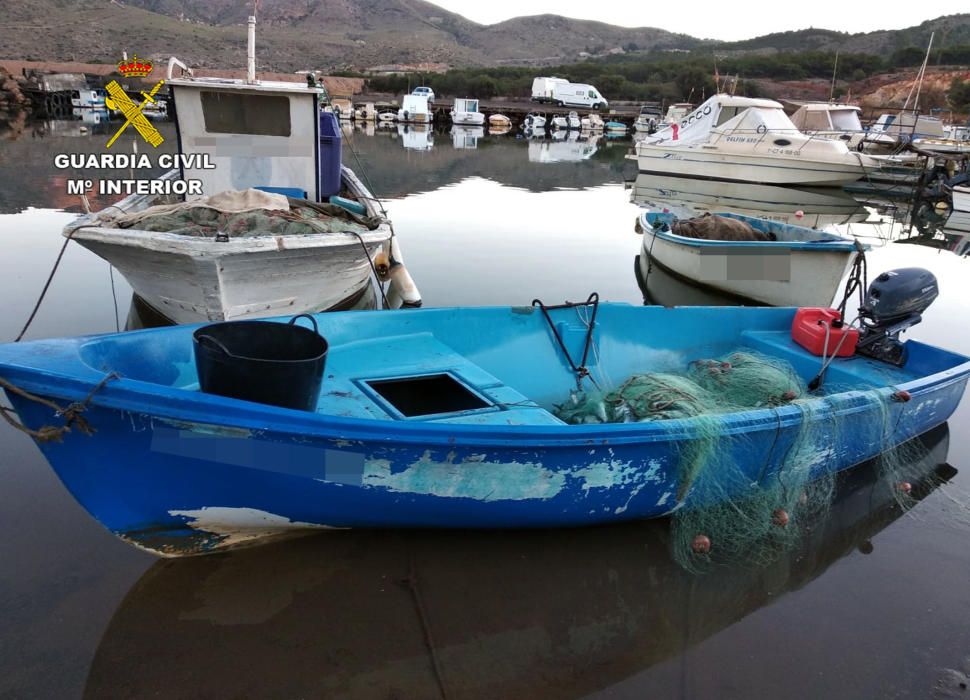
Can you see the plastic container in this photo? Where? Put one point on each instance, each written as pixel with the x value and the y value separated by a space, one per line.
pixel 350 205
pixel 808 329
pixel 330 155
pixel 280 364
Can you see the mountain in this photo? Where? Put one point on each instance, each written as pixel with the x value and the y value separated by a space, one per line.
pixel 333 34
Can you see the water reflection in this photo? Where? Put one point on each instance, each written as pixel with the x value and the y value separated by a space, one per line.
pixel 814 207
pixel 459 614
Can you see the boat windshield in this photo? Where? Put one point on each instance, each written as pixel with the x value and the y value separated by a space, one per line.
pixel 846 120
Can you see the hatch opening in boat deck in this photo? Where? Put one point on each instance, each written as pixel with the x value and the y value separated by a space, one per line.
pixel 427 395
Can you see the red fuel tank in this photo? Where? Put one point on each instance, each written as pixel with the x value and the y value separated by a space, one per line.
pixel 809 329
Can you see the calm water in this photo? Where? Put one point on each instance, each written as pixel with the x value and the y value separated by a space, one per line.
pixel 874 605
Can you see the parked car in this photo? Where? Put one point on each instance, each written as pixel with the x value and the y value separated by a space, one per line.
pixel 424 92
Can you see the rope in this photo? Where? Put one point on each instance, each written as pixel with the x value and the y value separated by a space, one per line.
pixel 579 370
pixel 71 413
pixel 370 261
pixel 50 278
pixel 858 282
pixel 412 583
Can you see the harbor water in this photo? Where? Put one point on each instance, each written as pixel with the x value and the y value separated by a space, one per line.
pixel 873 604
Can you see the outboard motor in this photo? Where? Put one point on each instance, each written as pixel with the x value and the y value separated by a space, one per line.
pixel 894 303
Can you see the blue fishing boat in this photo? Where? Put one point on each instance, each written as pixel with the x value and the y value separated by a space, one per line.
pixel 456 418
pixel 748 257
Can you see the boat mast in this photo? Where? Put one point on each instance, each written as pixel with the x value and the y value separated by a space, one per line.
pixel 918 85
pixel 251 52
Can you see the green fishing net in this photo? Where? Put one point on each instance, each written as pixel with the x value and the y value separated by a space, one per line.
pixel 741 499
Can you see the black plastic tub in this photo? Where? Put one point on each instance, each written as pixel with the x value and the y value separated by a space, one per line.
pixel 280 364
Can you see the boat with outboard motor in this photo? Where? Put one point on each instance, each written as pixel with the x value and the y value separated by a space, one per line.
pixel 456 417
pixel 570 121
pixel 752 258
pixel 742 139
pixel 278 226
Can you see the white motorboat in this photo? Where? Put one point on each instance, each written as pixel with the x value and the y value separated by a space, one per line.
pixel 465 112
pixel 367 113
pixel 742 139
pixel 415 109
pixel 387 117
pixel 566 121
pixel 261 236
pixel 840 122
pixel 534 122
pixel 675 112
pixel 921 131
pixel 592 122
pixel 648 120
pixel 780 265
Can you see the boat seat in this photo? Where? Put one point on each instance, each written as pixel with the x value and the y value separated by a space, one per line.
pixel 357 370
pixel 856 372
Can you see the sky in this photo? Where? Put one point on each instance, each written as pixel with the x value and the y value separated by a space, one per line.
pixel 709 19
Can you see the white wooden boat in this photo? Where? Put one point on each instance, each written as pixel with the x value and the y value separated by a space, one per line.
pixel 840 122
pixel 499 121
pixel 802 267
pixel 387 117
pixel 222 274
pixel 465 112
pixel 742 139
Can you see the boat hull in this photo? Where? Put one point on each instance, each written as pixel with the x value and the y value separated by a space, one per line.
pixel 181 487
pixel 179 472
pixel 189 279
pixel 772 273
pixel 742 167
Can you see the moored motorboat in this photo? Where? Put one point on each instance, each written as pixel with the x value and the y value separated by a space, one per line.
pixel 648 119
pixel 592 122
pixel 534 122
pixel 769 263
pixel 565 122
pixel 415 109
pixel 465 112
pixel 456 417
pixel 835 121
pixel 614 127
pixel 743 139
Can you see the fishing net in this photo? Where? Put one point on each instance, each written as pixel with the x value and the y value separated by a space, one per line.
pixel 741 500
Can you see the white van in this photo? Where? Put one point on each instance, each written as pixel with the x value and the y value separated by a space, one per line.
pixel 580 95
pixel 544 89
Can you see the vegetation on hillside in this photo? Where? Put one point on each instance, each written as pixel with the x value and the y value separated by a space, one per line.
pixel 669 76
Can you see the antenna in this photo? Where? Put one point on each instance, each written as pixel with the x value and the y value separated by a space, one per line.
pixel 834 71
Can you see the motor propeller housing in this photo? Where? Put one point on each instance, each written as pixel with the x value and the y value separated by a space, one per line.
pixel 895 302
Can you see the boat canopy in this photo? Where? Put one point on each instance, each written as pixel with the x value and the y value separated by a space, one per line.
pixel 255 134
pixel 717 112
pixel 822 116
pixel 909 124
